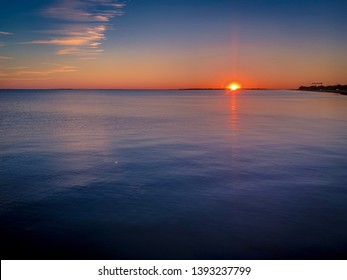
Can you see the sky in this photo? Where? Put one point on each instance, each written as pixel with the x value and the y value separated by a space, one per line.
pixel 150 44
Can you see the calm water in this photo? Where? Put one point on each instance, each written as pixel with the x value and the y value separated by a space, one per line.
pixel 173 174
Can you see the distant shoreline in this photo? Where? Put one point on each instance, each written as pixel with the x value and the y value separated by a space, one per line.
pixel 328 91
pixel 341 89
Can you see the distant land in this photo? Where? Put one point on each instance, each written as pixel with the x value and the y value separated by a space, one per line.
pixel 342 89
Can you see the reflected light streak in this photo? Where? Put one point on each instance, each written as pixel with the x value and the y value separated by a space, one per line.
pixel 234 135
pixel 233 109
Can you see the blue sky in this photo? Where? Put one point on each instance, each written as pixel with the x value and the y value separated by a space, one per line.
pixel 137 43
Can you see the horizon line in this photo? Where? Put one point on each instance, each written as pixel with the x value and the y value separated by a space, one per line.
pixel 198 88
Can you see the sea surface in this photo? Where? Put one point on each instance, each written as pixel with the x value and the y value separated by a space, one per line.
pixel 105 174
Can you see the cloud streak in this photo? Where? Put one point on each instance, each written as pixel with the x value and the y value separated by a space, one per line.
pixel 21 71
pixel 5 33
pixel 5 57
pixel 83 26
pixel 77 40
pixel 85 11
pixel 60 69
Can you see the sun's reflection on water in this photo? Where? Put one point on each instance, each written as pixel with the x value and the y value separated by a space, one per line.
pixel 233 109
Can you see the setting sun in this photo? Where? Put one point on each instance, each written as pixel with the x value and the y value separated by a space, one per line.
pixel 234 86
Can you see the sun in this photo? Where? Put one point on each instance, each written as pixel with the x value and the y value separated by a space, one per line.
pixel 234 86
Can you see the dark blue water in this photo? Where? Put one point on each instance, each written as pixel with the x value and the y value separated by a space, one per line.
pixel 173 175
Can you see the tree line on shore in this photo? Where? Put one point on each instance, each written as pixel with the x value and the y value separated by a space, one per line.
pixel 337 88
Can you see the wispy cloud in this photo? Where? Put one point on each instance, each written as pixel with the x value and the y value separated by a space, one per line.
pixel 85 11
pixel 17 67
pixel 77 40
pixel 83 26
pixel 19 71
pixel 5 57
pixel 5 33
pixel 60 69
pixel 14 79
